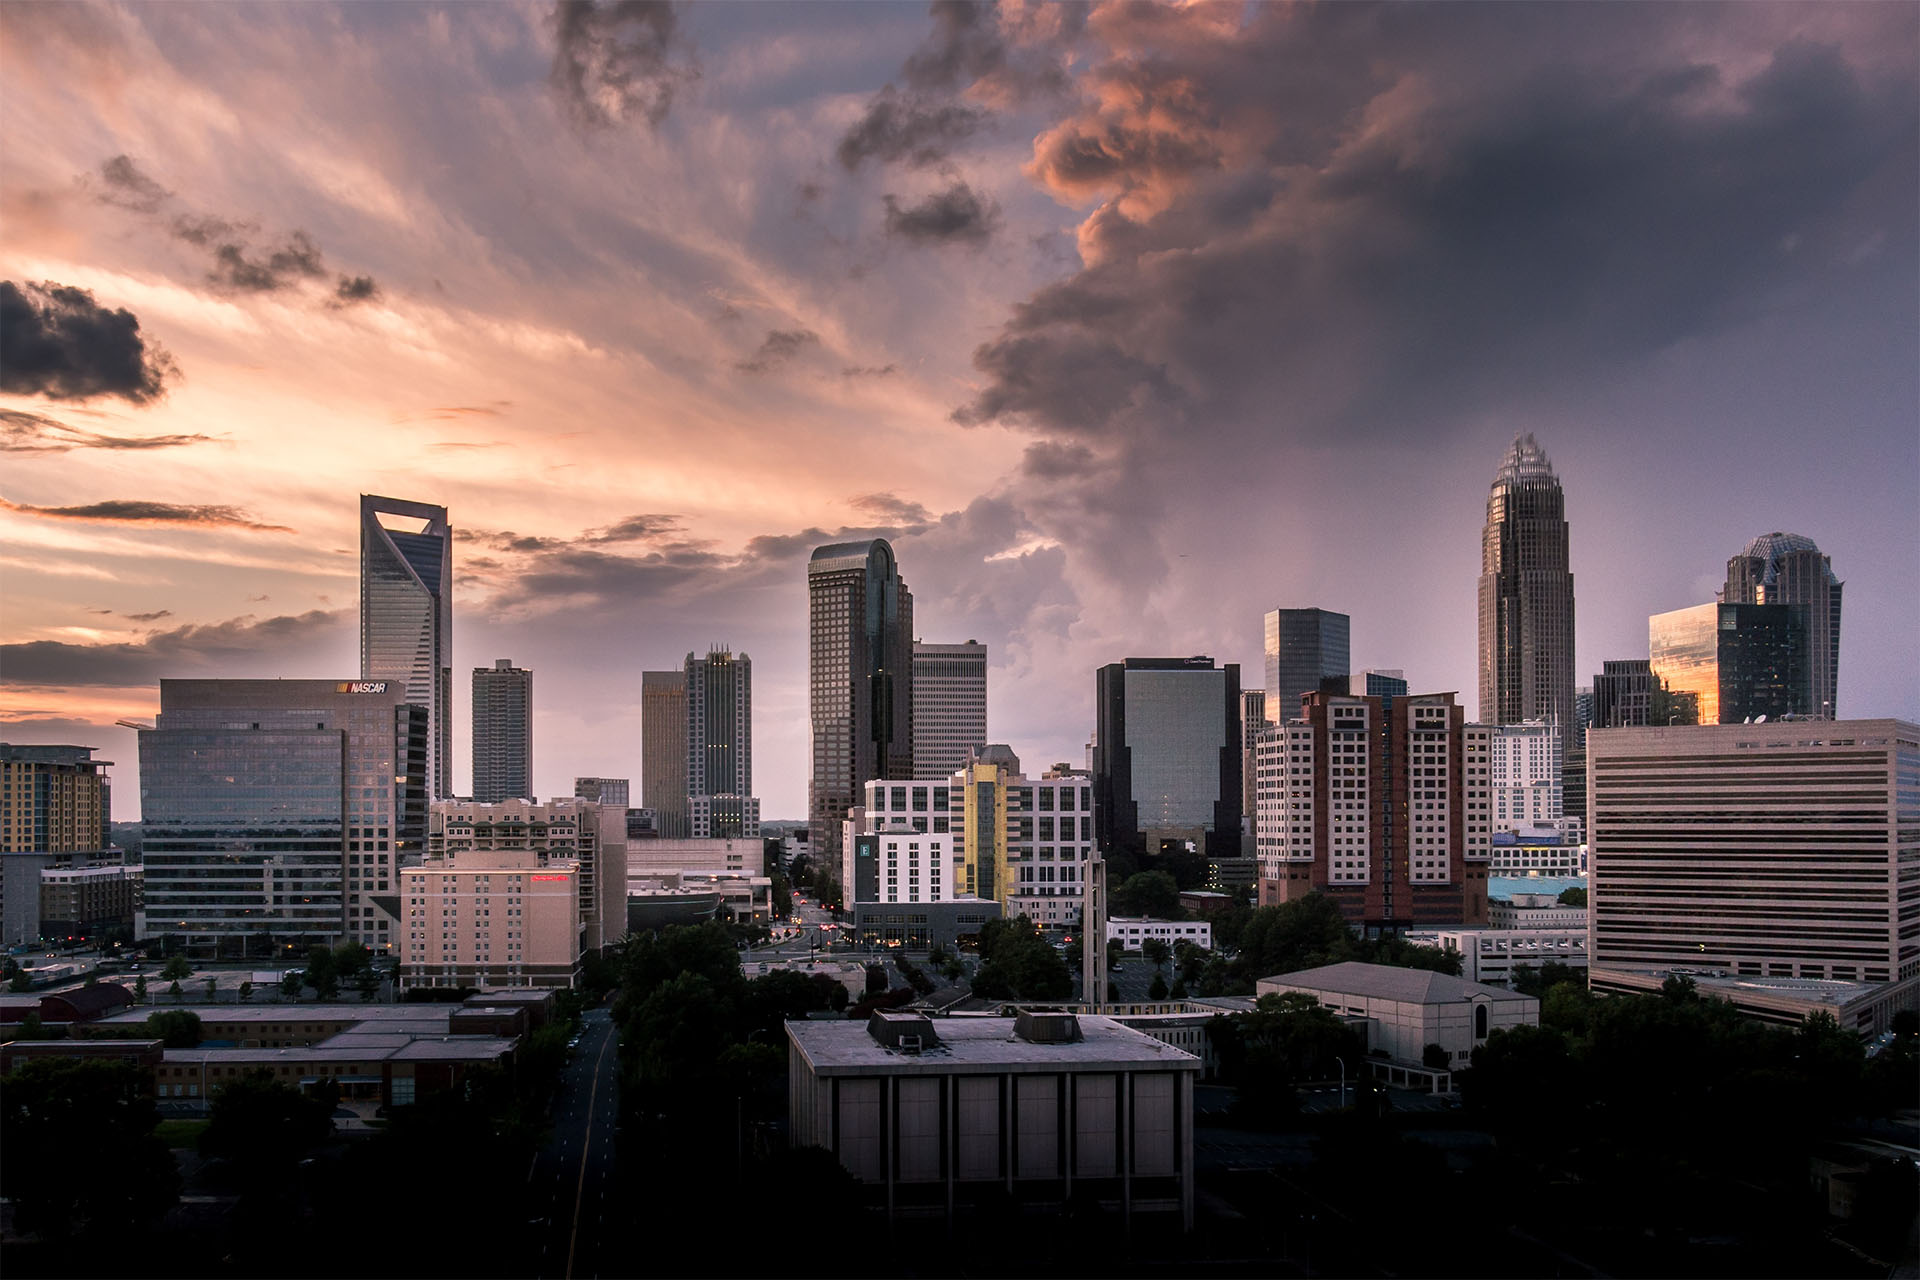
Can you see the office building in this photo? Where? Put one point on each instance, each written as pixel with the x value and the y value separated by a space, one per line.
pixel 1167 756
pixel 1525 779
pixel 406 615
pixel 591 837
pixel 1372 683
pixel 601 790
pixel 932 1115
pixel 97 902
pixel 1388 813
pixel 1733 662
pixel 1253 718
pixel 1780 850
pixel 860 681
pixel 277 813
pixel 493 918
pixel 502 732
pixel 949 705
pixel 1623 694
pixel 1526 594
pixel 720 800
pixel 1134 932
pixel 663 751
pixel 1303 648
pixel 53 800
pixel 1788 569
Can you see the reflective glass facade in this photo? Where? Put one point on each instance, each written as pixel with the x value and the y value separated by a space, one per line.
pixel 1303 647
pixel 860 658
pixel 1683 649
pixel 1526 594
pixel 1741 661
pixel 1167 754
pixel 406 614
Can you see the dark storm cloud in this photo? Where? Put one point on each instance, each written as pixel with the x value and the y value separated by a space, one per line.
pixel 23 432
pixel 128 188
pixel 133 511
pixel 957 215
pixel 618 60
pixel 779 346
pixel 220 648
pixel 56 341
pixel 977 52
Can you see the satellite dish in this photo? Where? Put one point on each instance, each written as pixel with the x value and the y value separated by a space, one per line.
pixel 1759 719
pixel 1748 720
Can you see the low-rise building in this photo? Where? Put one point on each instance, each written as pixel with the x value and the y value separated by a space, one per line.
pixel 87 902
pixel 1534 911
pixel 932 1114
pixel 1133 932
pixel 922 926
pixel 1405 1010
pixel 492 918
pixel 1491 955
pixel 1864 1007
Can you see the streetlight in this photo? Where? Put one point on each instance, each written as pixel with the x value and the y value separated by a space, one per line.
pixel 1343 1081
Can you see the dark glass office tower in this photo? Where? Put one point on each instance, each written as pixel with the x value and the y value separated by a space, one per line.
pixel 861 681
pixel 1788 569
pixel 1303 648
pixel 1526 594
pixel 406 615
pixel 1166 764
pixel 1734 662
pixel 720 745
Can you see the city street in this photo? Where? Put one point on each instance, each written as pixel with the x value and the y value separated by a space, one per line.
pixel 572 1220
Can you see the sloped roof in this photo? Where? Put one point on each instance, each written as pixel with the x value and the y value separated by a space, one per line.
pixel 1388 982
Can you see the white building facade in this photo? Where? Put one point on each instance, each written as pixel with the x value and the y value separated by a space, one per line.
pixel 1133 932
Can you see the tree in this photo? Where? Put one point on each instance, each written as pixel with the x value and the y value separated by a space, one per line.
pixel 263 1125
pixel 22 980
pixel 140 986
pixel 876 979
pixel 291 983
pixel 176 968
pixel 246 992
pixel 80 1152
pixel 1573 896
pixel 1152 894
pixel 367 982
pixel 1157 989
pixel 173 989
pixel 321 973
pixel 1116 952
pixel 1435 1058
pixel 1282 1041
pixel 213 988
pixel 1156 951
pixel 176 1028
pixel 1018 964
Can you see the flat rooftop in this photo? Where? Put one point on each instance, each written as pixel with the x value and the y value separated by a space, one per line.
pixel 984 1046
pixel 336 1015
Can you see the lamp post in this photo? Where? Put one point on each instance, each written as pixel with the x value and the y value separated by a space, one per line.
pixel 1343 1082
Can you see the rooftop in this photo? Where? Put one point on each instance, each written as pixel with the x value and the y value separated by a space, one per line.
pixel 1525 463
pixel 981 1045
pixel 1387 982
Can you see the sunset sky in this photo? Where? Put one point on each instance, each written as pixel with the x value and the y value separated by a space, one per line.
pixel 1125 323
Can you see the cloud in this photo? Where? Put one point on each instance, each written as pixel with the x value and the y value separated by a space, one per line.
pixel 134 511
pixel 56 341
pixel 957 215
pixel 870 370
pixel 128 188
pixel 780 346
pixel 637 528
pixel 898 127
pixel 617 60
pixel 352 289
pixel 236 646
pixel 296 260
pixel 155 616
pixel 23 432
pixel 889 509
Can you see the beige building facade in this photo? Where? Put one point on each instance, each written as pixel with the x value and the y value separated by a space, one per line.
pixel 492 918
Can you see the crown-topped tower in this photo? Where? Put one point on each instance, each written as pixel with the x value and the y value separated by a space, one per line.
pixel 1526 593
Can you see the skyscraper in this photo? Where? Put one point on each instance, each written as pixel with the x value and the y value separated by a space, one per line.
pixel 949 705
pixel 602 790
pixel 720 800
pixel 860 641
pixel 1788 569
pixel 1303 647
pixel 663 751
pixel 502 732
pixel 1253 718
pixel 1734 661
pixel 1526 594
pixel 1167 756
pixel 406 614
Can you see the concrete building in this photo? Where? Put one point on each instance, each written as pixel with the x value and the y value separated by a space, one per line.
pixel 720 856
pixel 1556 850
pixel 502 732
pixel 277 813
pixel 720 800
pixel 860 680
pixel 1408 1009
pixel 1526 594
pixel 493 917
pixel 898 864
pixel 949 706
pixel 601 790
pixel 1780 850
pixel 663 751
pixel 591 836
pixel 55 807
pixel 1534 911
pixel 1525 779
pixel 1387 813
pixel 406 615
pixel 934 1114
pixel 1491 955
pixel 91 902
pixel 922 926
pixel 1788 569
pixel 1134 931
pixel 1866 1008
pixel 1167 756
pixel 1303 648
pixel 1253 718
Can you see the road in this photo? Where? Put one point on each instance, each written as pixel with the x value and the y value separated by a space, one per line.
pixel 575 1217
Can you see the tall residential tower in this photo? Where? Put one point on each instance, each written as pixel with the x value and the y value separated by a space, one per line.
pixel 860 640
pixel 406 614
pixel 502 732
pixel 1526 594
pixel 720 800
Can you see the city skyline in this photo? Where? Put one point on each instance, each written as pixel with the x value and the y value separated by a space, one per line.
pixel 386 322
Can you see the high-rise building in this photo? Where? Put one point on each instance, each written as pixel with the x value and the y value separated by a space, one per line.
pixel 1784 850
pixel 1382 684
pixel 949 705
pixel 1788 569
pixel 278 812
pixel 406 615
pixel 587 838
pixel 720 799
pixel 492 918
pixel 502 732
pixel 860 659
pixel 1526 594
pixel 55 807
pixel 1525 778
pixel 601 790
pixel 1303 648
pixel 1167 756
pixel 1386 812
pixel 663 751
pixel 1253 718
pixel 1733 661
pixel 1582 718
pixel 1623 693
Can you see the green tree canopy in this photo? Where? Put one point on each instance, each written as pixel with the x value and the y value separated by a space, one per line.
pixel 263 1125
pixel 1016 963
pixel 1573 896
pixel 177 1028
pixel 176 968
pixel 1153 894
pixel 80 1155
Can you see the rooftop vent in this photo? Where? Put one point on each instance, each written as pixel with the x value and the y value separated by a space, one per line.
pixel 907 1032
pixel 1046 1028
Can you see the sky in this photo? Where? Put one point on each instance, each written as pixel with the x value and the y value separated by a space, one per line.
pixel 1126 323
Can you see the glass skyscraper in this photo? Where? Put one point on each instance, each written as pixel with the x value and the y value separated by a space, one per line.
pixel 860 642
pixel 949 706
pixel 1167 755
pixel 720 798
pixel 1788 569
pixel 1526 594
pixel 1303 648
pixel 1736 662
pixel 406 614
